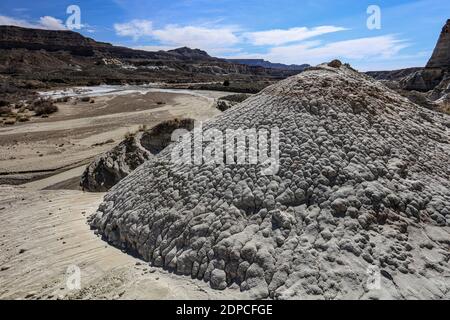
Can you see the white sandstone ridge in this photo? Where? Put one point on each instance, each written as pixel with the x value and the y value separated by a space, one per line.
pixel 360 206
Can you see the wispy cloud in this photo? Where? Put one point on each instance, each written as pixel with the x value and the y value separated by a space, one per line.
pixel 214 39
pixel 314 52
pixel 154 48
pixel 278 37
pixel 135 29
pixel 51 23
pixel 198 37
pixel 46 22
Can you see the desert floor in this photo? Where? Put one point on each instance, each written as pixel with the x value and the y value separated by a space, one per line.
pixel 81 130
pixel 44 231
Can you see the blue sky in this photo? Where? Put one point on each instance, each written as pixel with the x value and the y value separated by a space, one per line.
pixel 286 31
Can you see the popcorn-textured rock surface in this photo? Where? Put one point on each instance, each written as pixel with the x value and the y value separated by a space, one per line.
pixel 363 185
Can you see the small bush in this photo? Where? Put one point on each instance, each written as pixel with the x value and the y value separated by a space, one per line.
pixel 85 99
pixel 335 64
pixel 226 83
pixel 62 99
pixel 129 135
pixel 4 103
pixel 22 118
pixel 44 107
pixel 5 110
pixel 9 121
pixel 224 105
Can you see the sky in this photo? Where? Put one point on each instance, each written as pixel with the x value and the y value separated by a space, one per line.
pixel 370 35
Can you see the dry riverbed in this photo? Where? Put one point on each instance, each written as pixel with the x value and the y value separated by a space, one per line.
pixel 80 130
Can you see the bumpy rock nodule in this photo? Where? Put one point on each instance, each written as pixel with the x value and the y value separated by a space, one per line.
pixel 363 183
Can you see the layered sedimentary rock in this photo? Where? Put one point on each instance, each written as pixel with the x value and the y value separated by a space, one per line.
pixel 437 68
pixel 62 56
pixel 359 207
pixel 441 54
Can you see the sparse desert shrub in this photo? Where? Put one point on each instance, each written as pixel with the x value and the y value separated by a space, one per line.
pixel 62 99
pixel 44 107
pixel 5 111
pixel 19 105
pixel 335 64
pixel 4 103
pixel 85 99
pixel 129 135
pixel 9 121
pixel 23 109
pixel 22 118
pixel 226 83
pixel 142 128
pixel 224 105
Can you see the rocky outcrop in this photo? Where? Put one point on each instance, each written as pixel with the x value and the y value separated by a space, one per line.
pixel 427 86
pixel 437 68
pixel 423 80
pixel 441 54
pixel 57 56
pixel 358 209
pixel 111 167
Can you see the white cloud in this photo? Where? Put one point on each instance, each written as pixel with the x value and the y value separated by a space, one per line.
pixel 216 40
pixel 51 23
pixel 135 29
pixel 47 22
pixel 278 36
pixel 8 21
pixel 382 47
pixel 211 51
pixel 197 37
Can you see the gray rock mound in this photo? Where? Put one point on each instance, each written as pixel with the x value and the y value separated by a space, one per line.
pixel 359 209
pixel 111 167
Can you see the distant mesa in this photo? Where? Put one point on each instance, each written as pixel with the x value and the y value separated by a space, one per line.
pixel 66 57
pixel 191 53
pixel 441 55
pixel 437 68
pixel 267 64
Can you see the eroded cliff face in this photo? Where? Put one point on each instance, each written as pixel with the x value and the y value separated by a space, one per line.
pixel 441 55
pixel 436 70
pixel 362 190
